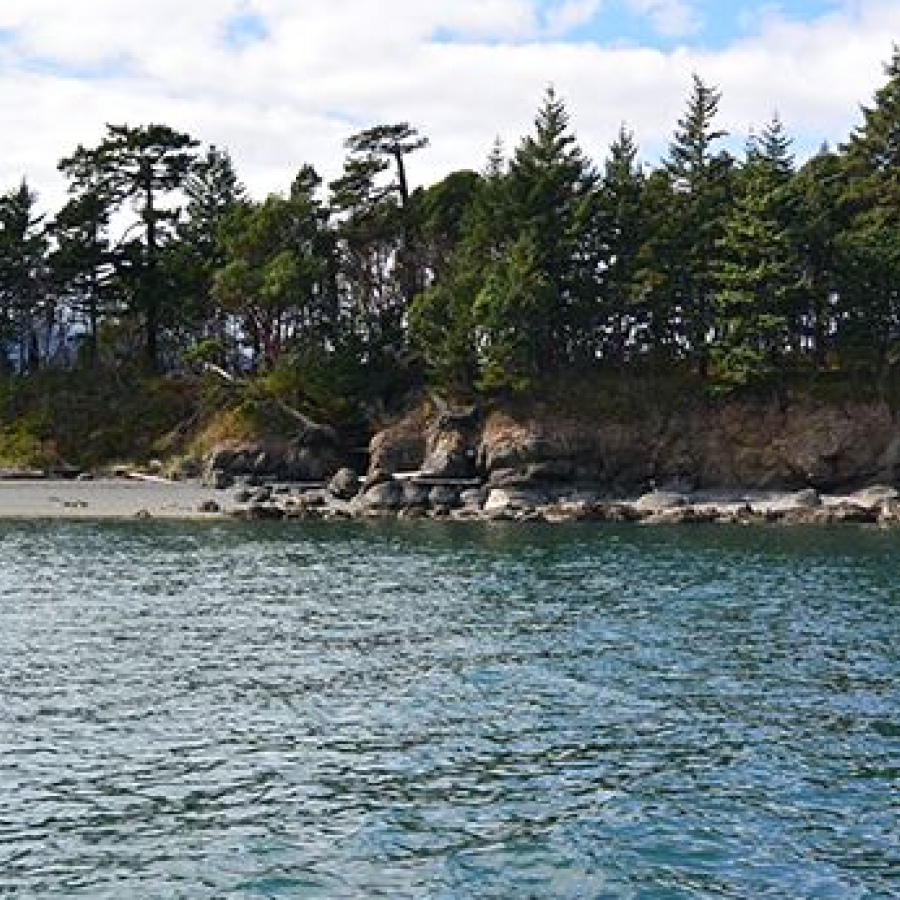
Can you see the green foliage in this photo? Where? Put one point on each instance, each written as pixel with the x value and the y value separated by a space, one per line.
pixel 759 272
pixel 512 315
pixel 748 275
pixel 701 193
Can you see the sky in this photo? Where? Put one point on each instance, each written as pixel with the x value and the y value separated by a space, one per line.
pixel 284 82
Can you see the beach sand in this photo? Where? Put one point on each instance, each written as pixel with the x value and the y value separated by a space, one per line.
pixel 116 498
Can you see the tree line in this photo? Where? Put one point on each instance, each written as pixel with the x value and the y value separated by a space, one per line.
pixel 741 269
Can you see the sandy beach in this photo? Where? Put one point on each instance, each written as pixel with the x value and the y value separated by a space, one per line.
pixel 114 498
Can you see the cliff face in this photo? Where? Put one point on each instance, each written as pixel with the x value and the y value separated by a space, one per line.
pixel 750 445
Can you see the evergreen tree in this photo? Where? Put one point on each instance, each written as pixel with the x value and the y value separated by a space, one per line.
pixel 141 165
pixel 381 147
pixel 700 177
pixel 817 189
pixel 624 323
pixel 27 313
pixel 276 274
pixel 512 313
pixel 82 264
pixel 759 276
pixel 213 191
pixel 870 243
pixel 554 205
pixel 443 319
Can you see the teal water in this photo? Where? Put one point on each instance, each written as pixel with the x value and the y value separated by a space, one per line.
pixel 448 712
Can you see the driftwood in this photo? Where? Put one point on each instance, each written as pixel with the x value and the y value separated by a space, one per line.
pixel 309 428
pixel 141 476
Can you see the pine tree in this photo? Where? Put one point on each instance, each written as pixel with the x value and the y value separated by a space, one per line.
pixel 869 285
pixel 759 276
pixel 26 308
pixel 82 263
pixel 551 191
pixel 700 177
pixel 623 324
pixel 511 314
pixel 141 165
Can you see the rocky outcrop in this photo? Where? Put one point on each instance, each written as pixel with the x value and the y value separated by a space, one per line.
pixel 399 448
pixel 726 445
pixel 315 456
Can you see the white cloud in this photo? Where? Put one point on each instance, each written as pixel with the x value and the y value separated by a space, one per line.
pixel 670 18
pixel 570 15
pixel 326 69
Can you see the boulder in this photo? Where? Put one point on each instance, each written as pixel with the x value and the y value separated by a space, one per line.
pixel 263 512
pixel 658 501
pixel 473 498
pixel 509 500
pixel 808 499
pixel 262 495
pixel 875 496
pixel 345 484
pixel 443 497
pixel 416 495
pixel 386 496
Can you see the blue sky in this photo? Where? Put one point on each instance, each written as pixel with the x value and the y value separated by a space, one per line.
pixel 717 23
pixel 283 82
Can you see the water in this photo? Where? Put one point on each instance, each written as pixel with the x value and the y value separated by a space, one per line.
pixel 226 711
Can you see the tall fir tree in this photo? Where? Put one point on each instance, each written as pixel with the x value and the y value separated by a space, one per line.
pixel 27 313
pixel 554 205
pixel 701 179
pixel 759 274
pixel 870 243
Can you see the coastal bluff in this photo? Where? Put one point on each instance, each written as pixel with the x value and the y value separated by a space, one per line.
pixel 721 445
pixel 800 462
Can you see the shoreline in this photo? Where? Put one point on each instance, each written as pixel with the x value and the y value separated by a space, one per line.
pixel 124 499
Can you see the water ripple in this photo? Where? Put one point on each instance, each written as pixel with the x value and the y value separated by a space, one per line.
pixel 356 712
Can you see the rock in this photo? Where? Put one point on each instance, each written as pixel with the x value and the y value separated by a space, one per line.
pixel 466 514
pixel 399 448
pixel 684 515
pixel 385 497
pixel 376 476
pixel 310 456
pixel 244 495
pixel 808 499
pixel 217 479
pixel 448 454
pixel 657 501
pixel 443 497
pixel 473 498
pixel 143 514
pixel 262 495
pixel 834 514
pixel 415 495
pixel 264 512
pixel 345 484
pixel 570 512
pixel 875 496
pixel 209 506
pixel 533 474
pixel 506 499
